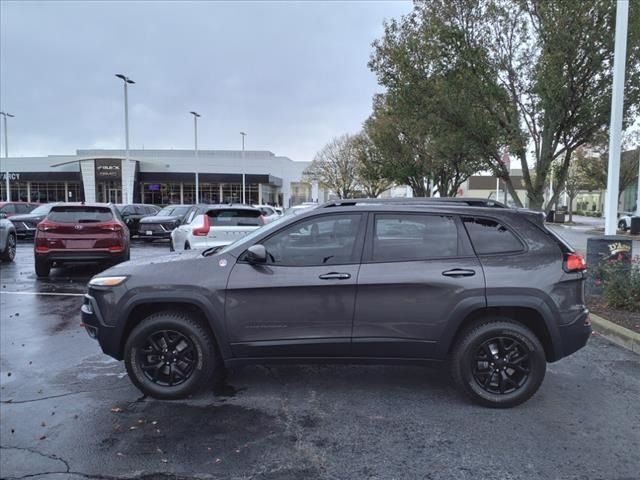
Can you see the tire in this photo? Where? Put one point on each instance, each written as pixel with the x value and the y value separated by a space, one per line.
pixel 507 384
pixel 187 246
pixel 171 249
pixel 622 225
pixel 9 249
pixel 196 355
pixel 43 267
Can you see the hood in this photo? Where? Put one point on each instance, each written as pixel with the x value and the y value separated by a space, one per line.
pixel 26 217
pixel 149 262
pixel 160 219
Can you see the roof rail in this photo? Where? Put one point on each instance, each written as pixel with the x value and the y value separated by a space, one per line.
pixel 465 201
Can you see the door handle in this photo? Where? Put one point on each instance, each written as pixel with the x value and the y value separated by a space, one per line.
pixel 335 276
pixel 459 272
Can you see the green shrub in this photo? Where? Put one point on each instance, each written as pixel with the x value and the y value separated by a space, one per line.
pixel 620 283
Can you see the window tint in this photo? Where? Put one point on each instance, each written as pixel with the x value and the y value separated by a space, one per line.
pixel 399 237
pixel 234 217
pixel 326 240
pixel 488 236
pixel 80 214
pixel 22 208
pixel 177 211
pixel 10 208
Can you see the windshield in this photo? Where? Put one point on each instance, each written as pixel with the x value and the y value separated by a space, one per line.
pixel 41 210
pixel 84 214
pixel 248 239
pixel 171 211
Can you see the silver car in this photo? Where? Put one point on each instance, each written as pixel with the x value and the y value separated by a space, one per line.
pixel 7 240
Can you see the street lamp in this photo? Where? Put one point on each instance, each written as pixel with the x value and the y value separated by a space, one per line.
pixel 126 198
pixel 244 198
pixel 195 151
pixel 6 152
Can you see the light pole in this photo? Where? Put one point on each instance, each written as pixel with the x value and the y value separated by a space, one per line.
pixel 125 187
pixel 6 152
pixel 195 151
pixel 615 129
pixel 244 198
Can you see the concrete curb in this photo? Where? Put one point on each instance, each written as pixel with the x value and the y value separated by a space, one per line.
pixel 617 334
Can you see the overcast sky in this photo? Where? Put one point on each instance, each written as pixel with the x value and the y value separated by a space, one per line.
pixel 290 74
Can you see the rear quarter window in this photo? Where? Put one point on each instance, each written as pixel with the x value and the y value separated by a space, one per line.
pixel 80 214
pixel 236 217
pixel 489 236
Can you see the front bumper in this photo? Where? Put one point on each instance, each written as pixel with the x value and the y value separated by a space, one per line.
pixel 153 234
pixel 93 322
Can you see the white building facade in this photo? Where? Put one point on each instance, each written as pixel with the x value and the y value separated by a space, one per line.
pixel 159 177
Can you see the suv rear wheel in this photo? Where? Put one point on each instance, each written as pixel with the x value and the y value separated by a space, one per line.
pixel 498 363
pixel 43 267
pixel 170 355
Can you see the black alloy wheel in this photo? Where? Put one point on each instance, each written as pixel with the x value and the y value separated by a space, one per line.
pixel 501 365
pixel 167 358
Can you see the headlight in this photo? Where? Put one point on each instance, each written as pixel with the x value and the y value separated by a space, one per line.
pixel 106 281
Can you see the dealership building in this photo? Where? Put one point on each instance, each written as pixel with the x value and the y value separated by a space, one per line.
pixel 159 177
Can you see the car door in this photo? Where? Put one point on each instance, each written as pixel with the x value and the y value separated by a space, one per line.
pixel 418 272
pixel 299 303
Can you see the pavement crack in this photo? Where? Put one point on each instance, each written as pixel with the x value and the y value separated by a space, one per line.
pixel 36 452
pixel 11 401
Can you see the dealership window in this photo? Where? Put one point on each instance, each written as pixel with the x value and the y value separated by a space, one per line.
pixel 210 193
pixel 161 193
pixel 19 191
pixel 232 193
pixel 46 192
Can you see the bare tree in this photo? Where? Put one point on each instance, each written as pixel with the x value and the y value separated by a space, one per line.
pixel 335 167
pixel 370 167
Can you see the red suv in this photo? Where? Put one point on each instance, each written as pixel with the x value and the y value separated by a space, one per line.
pixel 79 233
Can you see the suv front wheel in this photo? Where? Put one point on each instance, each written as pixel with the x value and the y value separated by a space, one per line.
pixel 498 363
pixel 170 355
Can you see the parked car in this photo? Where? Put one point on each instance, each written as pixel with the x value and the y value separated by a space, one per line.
pixel 215 225
pixel 490 289
pixel 26 223
pixel 133 213
pixel 7 240
pixel 80 233
pixel 9 209
pixel 624 222
pixel 161 225
pixel 269 213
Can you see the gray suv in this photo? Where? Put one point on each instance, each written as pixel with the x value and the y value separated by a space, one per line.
pixel 487 288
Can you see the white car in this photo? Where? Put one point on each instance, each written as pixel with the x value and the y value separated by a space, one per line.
pixel 215 225
pixel 269 213
pixel 624 222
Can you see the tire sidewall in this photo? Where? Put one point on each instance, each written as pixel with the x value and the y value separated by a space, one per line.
pixel 204 363
pixel 470 346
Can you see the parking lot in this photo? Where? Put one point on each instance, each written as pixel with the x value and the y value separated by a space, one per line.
pixel 70 412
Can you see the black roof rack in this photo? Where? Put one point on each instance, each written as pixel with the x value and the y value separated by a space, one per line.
pixel 462 201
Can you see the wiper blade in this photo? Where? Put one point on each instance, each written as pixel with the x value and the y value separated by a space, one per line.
pixel 211 250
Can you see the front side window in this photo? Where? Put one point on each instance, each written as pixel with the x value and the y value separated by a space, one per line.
pixel 326 240
pixel 488 236
pixel 406 237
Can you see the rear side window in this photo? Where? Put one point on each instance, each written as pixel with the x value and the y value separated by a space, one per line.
pixel 234 217
pixel 10 208
pixel 405 237
pixel 489 236
pixel 80 214
pixel 22 208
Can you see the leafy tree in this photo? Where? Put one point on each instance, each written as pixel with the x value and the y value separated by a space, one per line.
pixel 369 167
pixel 538 73
pixel 596 169
pixel 335 167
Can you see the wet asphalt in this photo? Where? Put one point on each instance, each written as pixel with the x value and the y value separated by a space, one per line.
pixel 69 412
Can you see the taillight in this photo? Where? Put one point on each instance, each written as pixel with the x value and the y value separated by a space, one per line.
pixel 202 231
pixel 575 263
pixel 46 226
pixel 113 227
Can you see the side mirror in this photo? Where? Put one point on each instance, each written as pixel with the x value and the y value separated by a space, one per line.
pixel 256 254
pixel 3 215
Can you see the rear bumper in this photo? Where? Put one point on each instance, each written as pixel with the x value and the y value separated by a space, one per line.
pixel 155 235
pixel 575 335
pixel 81 256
